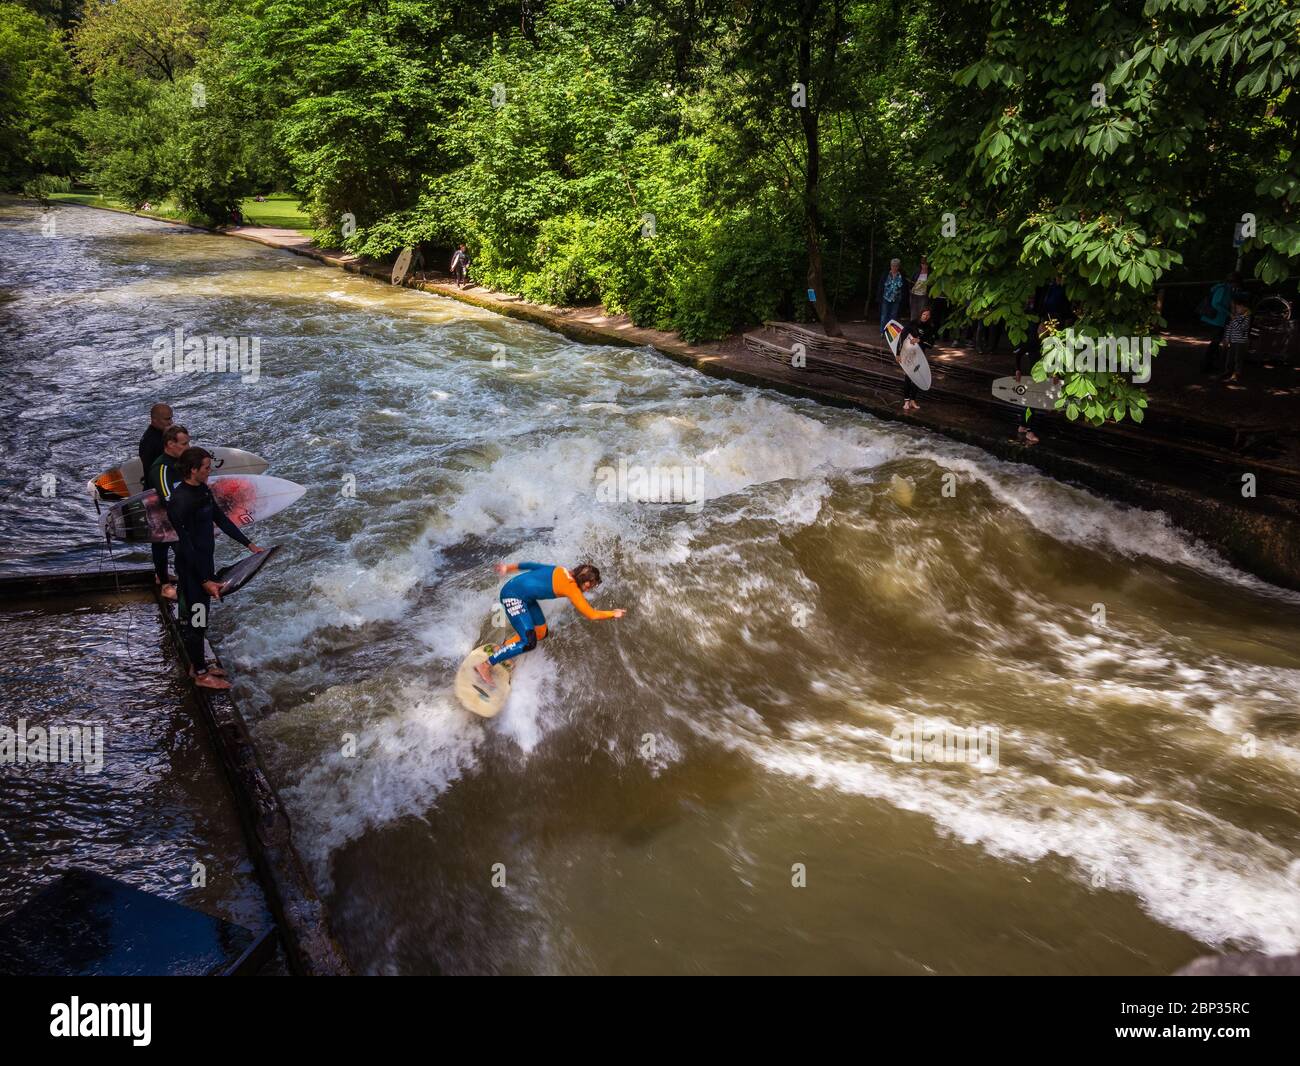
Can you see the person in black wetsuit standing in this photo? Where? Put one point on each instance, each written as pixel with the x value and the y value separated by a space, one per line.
pixel 917 329
pixel 193 511
pixel 151 446
pixel 163 478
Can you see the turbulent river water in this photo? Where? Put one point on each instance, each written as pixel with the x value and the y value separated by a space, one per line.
pixel 710 784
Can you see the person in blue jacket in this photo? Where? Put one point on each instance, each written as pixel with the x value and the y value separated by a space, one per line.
pixel 1215 312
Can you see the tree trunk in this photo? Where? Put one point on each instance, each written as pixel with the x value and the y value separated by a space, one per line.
pixel 808 121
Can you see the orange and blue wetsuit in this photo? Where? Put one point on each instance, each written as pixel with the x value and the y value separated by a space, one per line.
pixel 519 596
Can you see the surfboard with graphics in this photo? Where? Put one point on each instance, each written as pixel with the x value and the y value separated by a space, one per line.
pixel 912 359
pixel 124 481
pixel 1040 395
pixel 245 500
pixel 484 700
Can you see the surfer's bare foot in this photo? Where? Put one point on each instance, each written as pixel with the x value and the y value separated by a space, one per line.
pixel 484 672
pixel 167 592
pixel 208 680
pixel 215 671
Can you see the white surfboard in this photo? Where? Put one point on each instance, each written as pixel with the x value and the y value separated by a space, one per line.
pixel 473 694
pixel 912 359
pixel 123 481
pixel 402 267
pixel 245 500
pixel 1041 395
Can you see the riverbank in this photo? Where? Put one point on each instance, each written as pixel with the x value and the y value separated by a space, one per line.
pixel 1229 473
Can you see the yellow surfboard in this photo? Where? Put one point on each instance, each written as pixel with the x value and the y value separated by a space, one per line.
pixel 473 694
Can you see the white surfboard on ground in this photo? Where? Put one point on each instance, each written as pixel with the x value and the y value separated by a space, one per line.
pixel 912 359
pixel 474 695
pixel 123 481
pixel 1040 395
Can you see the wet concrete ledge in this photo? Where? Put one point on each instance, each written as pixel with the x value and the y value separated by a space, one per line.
pixel 1263 540
pixel 300 915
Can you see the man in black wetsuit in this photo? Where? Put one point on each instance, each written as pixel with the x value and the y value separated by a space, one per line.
pixel 193 510
pixel 151 446
pixel 163 478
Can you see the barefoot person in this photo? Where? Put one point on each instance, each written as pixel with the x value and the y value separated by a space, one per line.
pixel 163 477
pixel 520 596
pixel 193 510
pixel 918 329
pixel 151 446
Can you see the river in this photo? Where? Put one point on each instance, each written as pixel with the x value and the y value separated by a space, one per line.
pixel 714 783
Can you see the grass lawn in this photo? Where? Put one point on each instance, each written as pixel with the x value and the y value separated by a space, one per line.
pixel 280 210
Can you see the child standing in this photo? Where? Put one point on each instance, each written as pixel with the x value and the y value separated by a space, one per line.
pixel 1237 337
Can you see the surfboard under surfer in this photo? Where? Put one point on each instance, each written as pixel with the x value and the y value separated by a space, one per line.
pixel 520 597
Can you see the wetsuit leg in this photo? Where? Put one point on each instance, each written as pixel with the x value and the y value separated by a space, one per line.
pixel 189 593
pixel 526 616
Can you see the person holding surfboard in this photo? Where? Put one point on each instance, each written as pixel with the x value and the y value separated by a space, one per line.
pixel 151 442
pixel 163 479
pixel 460 266
pixel 918 329
pixel 520 595
pixel 151 446
pixel 193 512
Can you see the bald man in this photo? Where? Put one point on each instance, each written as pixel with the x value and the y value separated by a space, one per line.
pixel 152 446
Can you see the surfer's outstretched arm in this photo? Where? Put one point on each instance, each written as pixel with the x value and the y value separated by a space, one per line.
pixel 568 588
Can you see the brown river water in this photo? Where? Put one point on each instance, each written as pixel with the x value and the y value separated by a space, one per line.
pixel 718 782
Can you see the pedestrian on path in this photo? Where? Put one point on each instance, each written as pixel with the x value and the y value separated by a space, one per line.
pixel 1236 335
pixel 919 294
pixel 891 292
pixel 460 266
pixel 1215 311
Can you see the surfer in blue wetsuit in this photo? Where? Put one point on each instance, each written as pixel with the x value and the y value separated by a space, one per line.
pixel 520 596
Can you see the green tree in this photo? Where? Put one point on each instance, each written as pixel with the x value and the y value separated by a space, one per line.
pixel 1085 143
pixel 39 94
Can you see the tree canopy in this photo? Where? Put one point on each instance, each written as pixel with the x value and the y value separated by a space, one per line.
pixel 702 165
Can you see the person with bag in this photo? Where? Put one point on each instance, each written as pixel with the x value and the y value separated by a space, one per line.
pixel 1214 311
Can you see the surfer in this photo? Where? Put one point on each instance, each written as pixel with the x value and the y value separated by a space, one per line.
pixel 520 596
pixel 151 442
pixel 193 510
pixel 151 446
pixel 163 479
pixel 917 329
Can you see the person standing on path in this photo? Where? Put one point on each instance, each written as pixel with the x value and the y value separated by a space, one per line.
pixel 460 266
pixel 919 294
pixel 1236 334
pixel 1215 310
pixel 891 292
